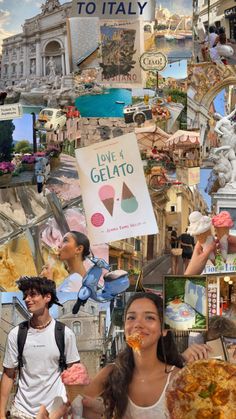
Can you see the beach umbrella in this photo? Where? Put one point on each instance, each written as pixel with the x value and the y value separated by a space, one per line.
pixel 150 136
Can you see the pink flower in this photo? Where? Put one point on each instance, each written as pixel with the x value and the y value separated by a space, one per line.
pixel 28 159
pixel 6 167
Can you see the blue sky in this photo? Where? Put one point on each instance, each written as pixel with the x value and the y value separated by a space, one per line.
pixel 177 70
pixel 219 102
pixel 23 128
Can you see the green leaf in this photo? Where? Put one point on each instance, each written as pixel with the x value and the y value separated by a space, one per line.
pixel 204 394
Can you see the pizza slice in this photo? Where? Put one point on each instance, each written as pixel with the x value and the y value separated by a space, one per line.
pixel 134 341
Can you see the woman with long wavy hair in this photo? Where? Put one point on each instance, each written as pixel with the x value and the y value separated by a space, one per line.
pixel 134 386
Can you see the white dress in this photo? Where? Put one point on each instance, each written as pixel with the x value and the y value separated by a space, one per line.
pixel 71 283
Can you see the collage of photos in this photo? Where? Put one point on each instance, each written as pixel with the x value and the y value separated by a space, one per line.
pixel 118 209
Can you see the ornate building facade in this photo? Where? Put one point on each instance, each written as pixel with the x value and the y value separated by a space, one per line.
pixel 44 36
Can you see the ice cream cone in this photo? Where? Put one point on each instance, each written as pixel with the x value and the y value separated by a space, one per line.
pixel 203 236
pixel 221 231
pixel 109 204
pixel 74 390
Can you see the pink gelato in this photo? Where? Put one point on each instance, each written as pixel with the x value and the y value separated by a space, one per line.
pixel 106 192
pixel 223 219
pixel 76 374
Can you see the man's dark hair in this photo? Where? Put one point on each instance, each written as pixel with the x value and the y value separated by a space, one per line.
pixel 212 29
pixel 41 285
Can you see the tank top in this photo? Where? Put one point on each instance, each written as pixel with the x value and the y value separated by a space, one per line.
pixel 156 411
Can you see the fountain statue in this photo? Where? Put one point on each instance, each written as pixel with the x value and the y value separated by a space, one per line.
pixel 224 156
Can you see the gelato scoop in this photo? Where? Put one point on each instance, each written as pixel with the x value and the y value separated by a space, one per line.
pixel 200 226
pixel 222 223
pixel 76 374
pixel 198 223
pixel 223 219
pixel 75 379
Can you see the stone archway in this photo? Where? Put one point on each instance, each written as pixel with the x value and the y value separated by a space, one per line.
pixel 205 82
pixel 54 49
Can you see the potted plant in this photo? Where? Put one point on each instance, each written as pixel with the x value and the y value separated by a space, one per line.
pixel 54 154
pixel 6 170
pixel 27 162
pixel 133 275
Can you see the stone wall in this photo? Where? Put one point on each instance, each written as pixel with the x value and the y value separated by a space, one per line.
pixel 94 130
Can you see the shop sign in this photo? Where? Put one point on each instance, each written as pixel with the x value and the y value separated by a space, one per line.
pixel 10 111
pixel 230 12
pixel 153 61
pixel 188 175
pixel 224 269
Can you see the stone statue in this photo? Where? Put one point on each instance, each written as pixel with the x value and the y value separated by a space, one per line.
pixel 224 156
pixel 49 6
pixel 57 83
pixel 33 67
pixel 52 69
pixel 225 129
pixel 222 168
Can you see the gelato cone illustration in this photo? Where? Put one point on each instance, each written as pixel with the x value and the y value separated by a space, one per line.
pixel 107 194
pixel 129 203
pixel 222 223
pixel 75 380
pixel 200 227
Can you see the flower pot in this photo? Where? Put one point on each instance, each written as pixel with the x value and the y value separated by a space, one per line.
pixel 27 167
pixel 54 162
pixel 5 179
pixel 133 279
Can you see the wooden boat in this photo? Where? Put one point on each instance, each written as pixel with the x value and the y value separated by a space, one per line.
pixel 120 102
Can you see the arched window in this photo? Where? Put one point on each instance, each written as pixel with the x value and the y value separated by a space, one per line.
pixel 76 328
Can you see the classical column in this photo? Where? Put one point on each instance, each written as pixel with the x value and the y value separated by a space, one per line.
pixel 44 65
pixel 25 73
pixel 38 60
pixel 18 63
pixel 67 61
pixel 63 62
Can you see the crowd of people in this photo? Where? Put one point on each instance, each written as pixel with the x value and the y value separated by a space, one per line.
pixel 211 46
pixel 180 246
pixel 134 385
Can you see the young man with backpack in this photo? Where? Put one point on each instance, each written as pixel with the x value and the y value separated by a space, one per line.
pixel 40 349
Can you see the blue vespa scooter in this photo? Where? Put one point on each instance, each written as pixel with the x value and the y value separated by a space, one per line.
pixel 115 282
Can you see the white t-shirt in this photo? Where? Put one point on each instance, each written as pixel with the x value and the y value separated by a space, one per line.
pixel 40 380
pixel 211 37
pixel 156 411
pixel 71 283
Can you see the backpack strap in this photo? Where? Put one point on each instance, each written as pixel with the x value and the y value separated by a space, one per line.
pixel 60 341
pixel 21 338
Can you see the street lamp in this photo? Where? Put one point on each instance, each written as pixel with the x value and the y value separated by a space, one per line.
pixel 34 132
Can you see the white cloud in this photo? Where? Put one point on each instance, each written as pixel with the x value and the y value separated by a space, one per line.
pixel 4 16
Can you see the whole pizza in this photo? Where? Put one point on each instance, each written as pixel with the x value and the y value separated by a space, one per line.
pixel 203 389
